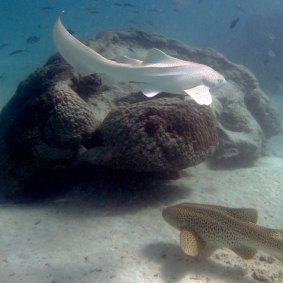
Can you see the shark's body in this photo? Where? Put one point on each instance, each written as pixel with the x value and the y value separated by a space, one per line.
pixel 223 227
pixel 158 72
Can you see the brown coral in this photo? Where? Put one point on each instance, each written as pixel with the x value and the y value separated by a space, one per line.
pixel 43 126
pixel 165 134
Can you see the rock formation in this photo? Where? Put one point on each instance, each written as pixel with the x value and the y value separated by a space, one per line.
pixel 58 119
pixel 165 134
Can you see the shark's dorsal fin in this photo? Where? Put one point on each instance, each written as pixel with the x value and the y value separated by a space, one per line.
pixel 128 60
pixel 244 214
pixel 191 243
pixel 156 56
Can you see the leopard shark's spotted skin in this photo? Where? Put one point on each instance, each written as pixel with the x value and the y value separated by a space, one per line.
pixel 223 227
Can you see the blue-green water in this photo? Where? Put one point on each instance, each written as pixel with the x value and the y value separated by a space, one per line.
pixel 115 235
pixel 255 41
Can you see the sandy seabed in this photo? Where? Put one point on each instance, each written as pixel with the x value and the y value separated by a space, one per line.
pixel 82 240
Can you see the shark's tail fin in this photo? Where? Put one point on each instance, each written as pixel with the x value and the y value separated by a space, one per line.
pixel 78 55
pixel 276 242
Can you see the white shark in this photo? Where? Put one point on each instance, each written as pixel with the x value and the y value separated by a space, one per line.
pixel 158 72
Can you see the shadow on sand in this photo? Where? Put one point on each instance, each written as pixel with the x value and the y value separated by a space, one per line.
pixel 175 265
pixel 82 192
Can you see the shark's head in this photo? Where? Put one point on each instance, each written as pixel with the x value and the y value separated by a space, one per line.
pixel 213 79
pixel 176 216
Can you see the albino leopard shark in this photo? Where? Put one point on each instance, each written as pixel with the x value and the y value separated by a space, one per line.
pixel 223 227
pixel 158 72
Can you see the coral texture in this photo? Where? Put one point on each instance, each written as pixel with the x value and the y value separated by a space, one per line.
pixel 165 134
pixel 43 126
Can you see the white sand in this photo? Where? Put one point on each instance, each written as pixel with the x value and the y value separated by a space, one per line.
pixel 94 241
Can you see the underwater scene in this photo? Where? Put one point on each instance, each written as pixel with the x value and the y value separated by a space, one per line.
pixel 141 141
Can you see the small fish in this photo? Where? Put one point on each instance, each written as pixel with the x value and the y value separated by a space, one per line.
pixel 133 22
pixel 91 10
pixel 155 10
pixel 158 72
pixel 37 222
pixel 3 45
pixel 240 9
pixel 94 12
pixel 32 39
pixel 234 23
pixel 46 8
pixel 223 227
pixel 124 5
pixel 18 51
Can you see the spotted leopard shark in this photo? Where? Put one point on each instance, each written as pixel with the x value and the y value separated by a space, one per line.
pixel 204 225
pixel 158 72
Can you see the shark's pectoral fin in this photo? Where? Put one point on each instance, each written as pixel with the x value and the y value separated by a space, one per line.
pixel 200 94
pixel 150 93
pixel 146 88
pixel 244 252
pixel 191 243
